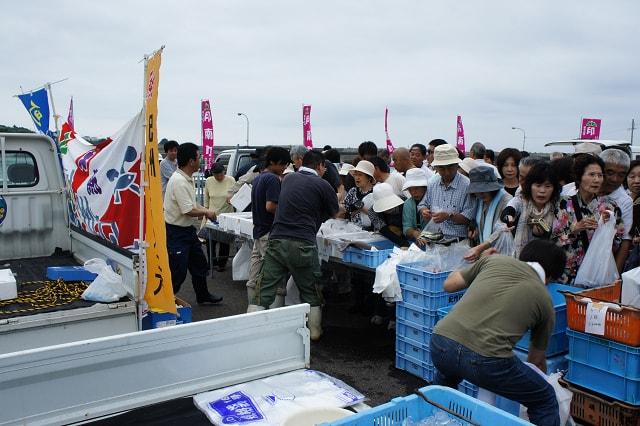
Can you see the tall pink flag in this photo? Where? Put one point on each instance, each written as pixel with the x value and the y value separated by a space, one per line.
pixel 207 134
pixel 70 116
pixel 460 136
pixel 590 128
pixel 306 126
pixel 390 147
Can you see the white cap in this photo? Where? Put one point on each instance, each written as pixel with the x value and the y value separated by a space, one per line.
pixel 415 177
pixel 365 167
pixel 445 155
pixel 345 169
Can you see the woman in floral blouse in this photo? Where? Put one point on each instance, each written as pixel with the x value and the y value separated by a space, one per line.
pixel 578 215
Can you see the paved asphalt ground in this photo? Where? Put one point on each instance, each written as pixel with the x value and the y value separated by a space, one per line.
pixel 351 349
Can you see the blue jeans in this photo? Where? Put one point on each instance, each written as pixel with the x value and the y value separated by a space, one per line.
pixel 508 377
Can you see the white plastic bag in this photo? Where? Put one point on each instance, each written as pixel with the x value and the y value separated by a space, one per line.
pixel 631 288
pixel 95 265
pixel 106 288
pixel 598 267
pixel 242 263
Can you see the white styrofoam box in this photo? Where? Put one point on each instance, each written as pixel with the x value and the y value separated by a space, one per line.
pixel 245 227
pixel 8 286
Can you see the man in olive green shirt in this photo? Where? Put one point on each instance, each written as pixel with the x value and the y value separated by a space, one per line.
pixel 505 298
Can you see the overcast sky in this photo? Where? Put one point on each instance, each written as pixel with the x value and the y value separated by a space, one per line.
pixel 538 65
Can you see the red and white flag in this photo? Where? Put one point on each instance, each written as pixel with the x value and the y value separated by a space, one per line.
pixel 207 134
pixel 105 182
pixel 460 136
pixel 390 147
pixel 306 126
pixel 70 115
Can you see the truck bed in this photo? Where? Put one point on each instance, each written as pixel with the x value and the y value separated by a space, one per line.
pixel 30 274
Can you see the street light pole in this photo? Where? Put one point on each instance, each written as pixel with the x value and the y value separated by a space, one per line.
pixel 246 118
pixel 524 135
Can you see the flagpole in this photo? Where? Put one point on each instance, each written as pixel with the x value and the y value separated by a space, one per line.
pixel 142 261
pixel 53 108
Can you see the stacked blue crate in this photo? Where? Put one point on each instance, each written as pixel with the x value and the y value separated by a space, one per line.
pixel 422 295
pixel 369 258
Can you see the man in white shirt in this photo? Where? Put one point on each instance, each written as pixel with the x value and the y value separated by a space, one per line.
pixel 169 164
pixel 382 173
pixel 616 166
pixel 418 154
pixel 180 213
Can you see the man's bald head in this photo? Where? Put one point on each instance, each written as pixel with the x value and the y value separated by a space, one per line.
pixel 402 160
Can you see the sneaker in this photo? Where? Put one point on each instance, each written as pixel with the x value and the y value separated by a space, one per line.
pixel 209 299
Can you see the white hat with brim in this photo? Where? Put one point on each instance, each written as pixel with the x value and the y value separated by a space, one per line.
pixel 384 199
pixel 467 164
pixel 415 177
pixel 345 169
pixel 445 155
pixel 588 148
pixel 365 167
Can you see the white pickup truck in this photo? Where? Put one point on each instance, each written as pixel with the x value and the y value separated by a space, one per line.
pixel 88 361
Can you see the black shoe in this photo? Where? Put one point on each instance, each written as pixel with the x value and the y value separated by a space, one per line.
pixel 209 299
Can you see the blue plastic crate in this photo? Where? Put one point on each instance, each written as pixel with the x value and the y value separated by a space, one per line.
pixel 369 258
pixel 414 349
pixel 416 315
pixel 393 413
pixel 442 312
pixel 415 275
pixel 604 366
pixel 512 407
pixel 414 366
pixel 554 364
pixel 558 343
pixel 468 388
pixel 413 331
pixel 70 273
pixel 429 300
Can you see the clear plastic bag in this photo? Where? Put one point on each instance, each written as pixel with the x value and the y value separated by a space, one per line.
pixel 95 265
pixel 598 267
pixel 504 242
pixel 241 263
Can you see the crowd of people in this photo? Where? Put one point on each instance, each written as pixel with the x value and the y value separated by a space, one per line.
pixel 424 194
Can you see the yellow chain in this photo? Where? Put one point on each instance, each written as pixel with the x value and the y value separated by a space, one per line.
pixel 50 295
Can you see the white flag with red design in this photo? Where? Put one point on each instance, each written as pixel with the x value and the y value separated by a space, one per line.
pixel 105 182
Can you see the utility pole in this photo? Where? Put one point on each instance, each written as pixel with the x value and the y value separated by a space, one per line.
pixel 633 126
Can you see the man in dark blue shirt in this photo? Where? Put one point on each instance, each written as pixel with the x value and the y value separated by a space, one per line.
pixel 306 200
pixel 264 201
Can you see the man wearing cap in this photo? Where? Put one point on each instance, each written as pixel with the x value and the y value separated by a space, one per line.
pixel 305 202
pixel 616 167
pixel 446 201
pixel 430 150
pixel 216 188
pixel 412 222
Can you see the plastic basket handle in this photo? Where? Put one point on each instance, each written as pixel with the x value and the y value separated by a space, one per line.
pixel 443 408
pixel 585 300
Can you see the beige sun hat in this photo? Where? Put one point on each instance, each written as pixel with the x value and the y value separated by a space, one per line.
pixel 365 167
pixel 415 177
pixel 345 169
pixel 445 155
pixel 384 198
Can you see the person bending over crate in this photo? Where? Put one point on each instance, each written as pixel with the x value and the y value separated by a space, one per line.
pixel 505 297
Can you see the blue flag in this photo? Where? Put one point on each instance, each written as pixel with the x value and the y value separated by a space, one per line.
pixel 37 105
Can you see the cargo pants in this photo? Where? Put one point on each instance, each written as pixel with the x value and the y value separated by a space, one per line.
pixel 300 259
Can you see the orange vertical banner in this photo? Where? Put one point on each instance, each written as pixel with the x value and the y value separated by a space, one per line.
pixel 158 290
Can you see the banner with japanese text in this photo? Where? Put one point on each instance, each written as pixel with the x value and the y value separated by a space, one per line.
pixel 306 126
pixel 207 134
pixel 70 116
pixel 590 128
pixel 390 147
pixel 158 289
pixel 37 105
pixel 460 135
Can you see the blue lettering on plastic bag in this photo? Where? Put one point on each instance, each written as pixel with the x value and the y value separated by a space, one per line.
pixel 236 408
